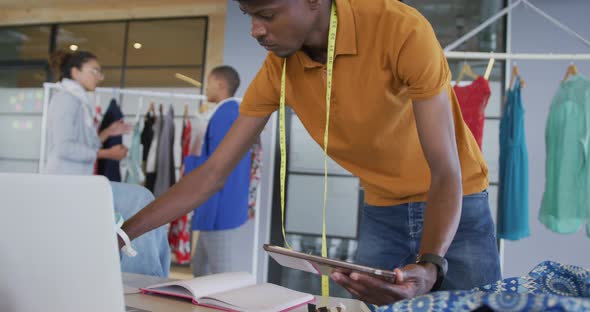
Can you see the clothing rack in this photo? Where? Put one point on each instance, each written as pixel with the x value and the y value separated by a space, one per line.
pixel 516 56
pixel 450 54
pixel 115 91
pixel 184 96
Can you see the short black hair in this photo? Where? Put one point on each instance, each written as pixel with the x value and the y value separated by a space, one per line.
pixel 230 75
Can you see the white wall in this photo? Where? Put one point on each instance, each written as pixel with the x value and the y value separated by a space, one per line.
pixel 531 33
pixel 242 52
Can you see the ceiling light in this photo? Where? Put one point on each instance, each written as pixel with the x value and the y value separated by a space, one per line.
pixel 137 45
pixel 74 47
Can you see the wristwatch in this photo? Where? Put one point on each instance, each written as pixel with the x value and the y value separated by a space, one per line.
pixel 441 267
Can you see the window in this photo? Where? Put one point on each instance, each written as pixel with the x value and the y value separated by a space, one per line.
pixel 25 43
pixel 177 42
pixel 157 50
pixel 452 19
pixel 105 40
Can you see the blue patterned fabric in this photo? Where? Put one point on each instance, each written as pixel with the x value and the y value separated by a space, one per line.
pixel 550 286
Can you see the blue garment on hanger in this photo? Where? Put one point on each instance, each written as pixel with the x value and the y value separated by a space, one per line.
pixel 109 167
pixel 513 192
pixel 228 208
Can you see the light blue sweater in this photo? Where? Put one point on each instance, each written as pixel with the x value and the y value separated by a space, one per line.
pixel 72 140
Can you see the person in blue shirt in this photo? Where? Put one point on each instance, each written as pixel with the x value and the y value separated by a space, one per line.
pixel 220 220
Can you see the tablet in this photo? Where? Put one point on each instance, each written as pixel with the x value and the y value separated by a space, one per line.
pixel 322 266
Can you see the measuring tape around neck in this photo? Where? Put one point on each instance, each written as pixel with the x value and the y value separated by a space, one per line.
pixel 283 141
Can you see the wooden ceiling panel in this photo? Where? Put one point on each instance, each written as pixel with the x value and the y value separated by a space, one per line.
pixel 49 4
pixel 22 12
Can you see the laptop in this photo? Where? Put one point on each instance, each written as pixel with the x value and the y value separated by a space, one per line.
pixel 58 250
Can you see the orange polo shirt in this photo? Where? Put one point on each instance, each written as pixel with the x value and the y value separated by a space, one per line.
pixel 386 56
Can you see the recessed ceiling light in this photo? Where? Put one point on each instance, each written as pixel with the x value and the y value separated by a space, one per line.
pixel 137 45
pixel 74 47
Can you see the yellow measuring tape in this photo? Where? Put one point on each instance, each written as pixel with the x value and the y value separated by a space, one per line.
pixel 283 141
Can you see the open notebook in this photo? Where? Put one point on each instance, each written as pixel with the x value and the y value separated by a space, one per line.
pixel 233 292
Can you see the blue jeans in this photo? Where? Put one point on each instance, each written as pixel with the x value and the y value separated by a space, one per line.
pixel 390 238
pixel 153 251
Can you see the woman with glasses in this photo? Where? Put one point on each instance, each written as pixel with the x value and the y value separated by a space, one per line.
pixel 73 146
pixel 73 142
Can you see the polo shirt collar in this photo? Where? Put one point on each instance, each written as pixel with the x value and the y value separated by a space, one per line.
pixel 346 43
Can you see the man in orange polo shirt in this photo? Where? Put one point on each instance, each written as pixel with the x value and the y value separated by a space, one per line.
pixel 394 122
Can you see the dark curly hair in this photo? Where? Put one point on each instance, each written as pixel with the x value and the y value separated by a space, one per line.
pixel 62 62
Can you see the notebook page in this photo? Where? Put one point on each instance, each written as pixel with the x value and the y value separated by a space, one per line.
pixel 211 284
pixel 259 298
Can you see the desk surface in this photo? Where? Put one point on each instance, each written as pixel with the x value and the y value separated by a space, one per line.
pixel 154 303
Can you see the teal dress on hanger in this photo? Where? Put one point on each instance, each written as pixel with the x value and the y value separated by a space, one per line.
pixel 513 192
pixel 134 173
pixel 565 207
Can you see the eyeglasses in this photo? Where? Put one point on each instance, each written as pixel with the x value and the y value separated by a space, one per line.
pixel 97 73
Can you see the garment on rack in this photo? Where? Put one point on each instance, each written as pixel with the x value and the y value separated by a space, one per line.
pixel 199 128
pixel 165 171
pixel 134 173
pixel 185 141
pixel 150 167
pixel 108 167
pixel 147 135
pixel 513 197
pixel 179 236
pixel 97 116
pixel 473 100
pixel 179 239
pixel 565 207
pixel 219 219
pixel 254 176
pixel 97 120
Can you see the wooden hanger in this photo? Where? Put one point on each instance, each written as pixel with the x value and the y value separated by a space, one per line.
pixel 572 70
pixel 185 117
pixel 151 109
pixel 515 74
pixel 188 80
pixel 486 76
pixel 203 108
pixel 466 70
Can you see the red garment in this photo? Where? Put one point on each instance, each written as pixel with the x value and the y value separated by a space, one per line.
pixel 186 139
pixel 473 100
pixel 179 239
pixel 179 234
